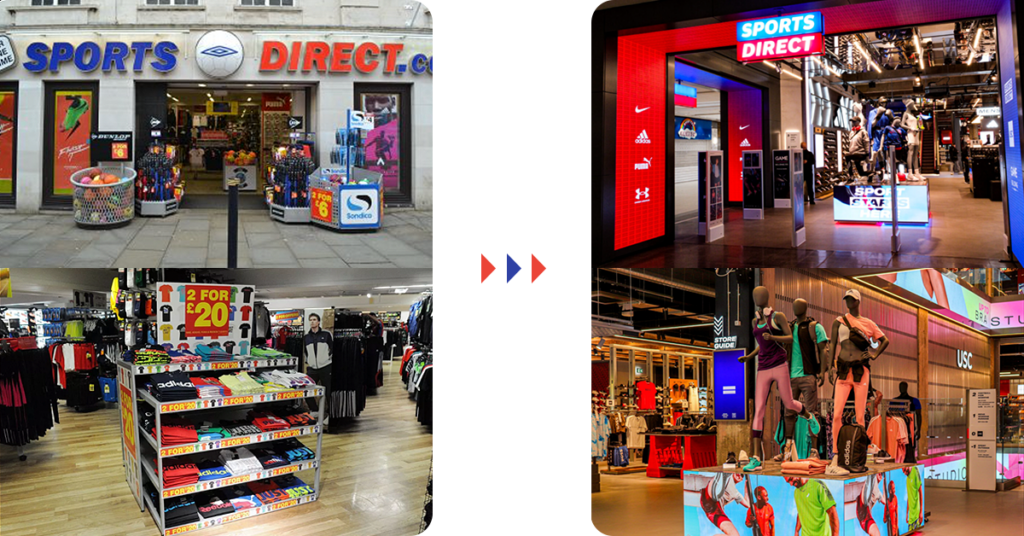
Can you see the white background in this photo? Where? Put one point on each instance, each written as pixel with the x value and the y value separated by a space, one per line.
pixel 512 176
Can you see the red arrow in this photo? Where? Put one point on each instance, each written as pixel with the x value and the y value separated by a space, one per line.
pixel 486 268
pixel 537 268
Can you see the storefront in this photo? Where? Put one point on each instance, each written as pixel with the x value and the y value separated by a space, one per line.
pixel 927 78
pixel 219 99
pixel 936 339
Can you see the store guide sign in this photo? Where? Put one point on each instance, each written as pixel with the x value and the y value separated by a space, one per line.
pixel 721 341
pixel 789 36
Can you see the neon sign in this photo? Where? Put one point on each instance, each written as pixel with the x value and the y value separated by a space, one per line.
pixel 790 36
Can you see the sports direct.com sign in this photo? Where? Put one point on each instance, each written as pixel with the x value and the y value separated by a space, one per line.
pixel 790 36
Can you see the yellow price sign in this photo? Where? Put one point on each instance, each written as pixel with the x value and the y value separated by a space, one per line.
pixel 207 310
pixel 321 203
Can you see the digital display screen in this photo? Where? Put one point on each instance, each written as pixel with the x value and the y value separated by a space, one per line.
pixel 692 129
pixel 730 385
pixel 863 203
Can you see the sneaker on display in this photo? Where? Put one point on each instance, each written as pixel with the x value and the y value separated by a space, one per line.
pixel 873 449
pixel 743 459
pixel 833 468
pixel 813 455
pixel 786 455
pixel 754 465
pixel 730 461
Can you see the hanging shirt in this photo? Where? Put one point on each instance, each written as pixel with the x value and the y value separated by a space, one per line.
pixel 692 404
pixel 646 390
pixel 635 427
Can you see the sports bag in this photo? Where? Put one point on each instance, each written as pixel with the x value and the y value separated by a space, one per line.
pixel 852 446
pixel 857 336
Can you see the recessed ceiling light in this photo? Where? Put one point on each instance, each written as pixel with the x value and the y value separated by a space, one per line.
pixel 202 85
pixel 249 85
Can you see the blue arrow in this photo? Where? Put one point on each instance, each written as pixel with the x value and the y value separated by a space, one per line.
pixel 512 268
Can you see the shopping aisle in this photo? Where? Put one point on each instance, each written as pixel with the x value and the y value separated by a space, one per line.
pixel 629 502
pixel 372 482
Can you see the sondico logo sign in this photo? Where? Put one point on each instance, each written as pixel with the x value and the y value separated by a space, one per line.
pixel 219 53
pixel 963 359
pixel 358 207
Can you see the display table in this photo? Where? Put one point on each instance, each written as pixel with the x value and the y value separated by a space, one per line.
pixel 864 203
pixel 685 449
pixel 895 484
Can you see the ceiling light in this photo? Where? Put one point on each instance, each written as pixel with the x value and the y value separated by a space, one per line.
pixel 210 96
pixel 402 286
pixel 970 59
pixel 977 36
pixel 368 295
pixel 600 343
pixel 175 99
pixel 211 99
pixel 976 120
pixel 202 85
pixel 917 80
pixel 249 99
pixel 169 96
pixel 824 65
pixel 285 85
pixel 917 43
pixel 401 290
pixel 249 85
pixel 992 124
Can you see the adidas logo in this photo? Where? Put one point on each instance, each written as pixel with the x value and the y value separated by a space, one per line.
pixel 645 165
pixel 642 138
pixel 744 143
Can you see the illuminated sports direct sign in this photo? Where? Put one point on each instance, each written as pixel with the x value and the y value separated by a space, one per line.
pixel 790 36
pixel 110 56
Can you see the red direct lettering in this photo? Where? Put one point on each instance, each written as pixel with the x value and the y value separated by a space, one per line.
pixel 316 54
pixel 293 62
pixel 391 51
pixel 362 64
pixel 341 56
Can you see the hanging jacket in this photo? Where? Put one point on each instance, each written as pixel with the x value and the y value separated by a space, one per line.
pixel 808 345
pixel 891 138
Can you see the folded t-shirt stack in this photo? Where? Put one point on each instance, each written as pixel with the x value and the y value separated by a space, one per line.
pixel 237 428
pixel 178 356
pixel 180 473
pixel 170 386
pixel 241 498
pixel 269 458
pixel 176 431
pixel 241 384
pixel 213 504
pixel 240 461
pixel 268 353
pixel 210 387
pixel 805 467
pixel 299 419
pixel 178 510
pixel 268 422
pixel 212 470
pixel 213 353
pixel 211 432
pixel 268 385
pixel 287 378
pixel 292 450
pixel 280 488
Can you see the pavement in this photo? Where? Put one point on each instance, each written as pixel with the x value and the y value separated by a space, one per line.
pixel 197 238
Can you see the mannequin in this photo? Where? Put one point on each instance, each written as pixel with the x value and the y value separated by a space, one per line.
pixel 893 137
pixel 858 113
pixel 915 406
pixel 882 120
pixel 851 374
pixel 860 145
pixel 912 124
pixel 771 331
pixel 810 347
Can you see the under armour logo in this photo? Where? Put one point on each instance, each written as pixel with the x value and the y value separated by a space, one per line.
pixel 643 194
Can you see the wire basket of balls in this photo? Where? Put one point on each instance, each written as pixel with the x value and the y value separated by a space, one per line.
pixel 104 196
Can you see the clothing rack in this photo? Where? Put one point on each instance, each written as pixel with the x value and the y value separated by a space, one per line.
pixel 891 407
pixel 24 343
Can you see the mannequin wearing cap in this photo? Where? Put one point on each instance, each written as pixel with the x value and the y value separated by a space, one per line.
pixel 854 337
pixel 772 332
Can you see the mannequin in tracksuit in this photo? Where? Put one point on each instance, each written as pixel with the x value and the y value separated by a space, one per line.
pixel 879 119
pixel 809 349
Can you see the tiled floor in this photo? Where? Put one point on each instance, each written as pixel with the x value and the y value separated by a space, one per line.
pixel 635 504
pixel 963 232
pixel 198 238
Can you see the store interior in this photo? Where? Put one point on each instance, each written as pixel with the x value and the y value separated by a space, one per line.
pixel 930 92
pixel 672 402
pixel 316 419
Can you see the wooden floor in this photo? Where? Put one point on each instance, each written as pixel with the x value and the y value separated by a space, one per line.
pixel 373 480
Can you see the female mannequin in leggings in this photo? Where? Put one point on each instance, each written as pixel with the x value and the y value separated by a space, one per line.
pixel 851 361
pixel 771 331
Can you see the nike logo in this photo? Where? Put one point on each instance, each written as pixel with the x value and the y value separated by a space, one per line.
pixel 744 126
pixel 639 109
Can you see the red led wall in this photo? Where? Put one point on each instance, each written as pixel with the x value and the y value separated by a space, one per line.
pixel 639 145
pixel 744 124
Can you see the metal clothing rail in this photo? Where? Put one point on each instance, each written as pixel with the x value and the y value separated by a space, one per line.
pixel 21 343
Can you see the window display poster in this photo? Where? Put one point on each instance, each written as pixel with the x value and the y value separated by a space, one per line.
pixel 730 385
pixel 7 133
pixel 711 500
pixel 780 173
pixel 72 127
pixel 191 314
pixel 382 142
pixel 716 199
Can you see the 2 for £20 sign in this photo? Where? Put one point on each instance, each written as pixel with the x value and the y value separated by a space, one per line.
pixel 207 310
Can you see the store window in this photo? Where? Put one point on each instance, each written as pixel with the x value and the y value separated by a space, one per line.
pixel 56 2
pixel 389 144
pixel 70 116
pixel 270 3
pixel 8 142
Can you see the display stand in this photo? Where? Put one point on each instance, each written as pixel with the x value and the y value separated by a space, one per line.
pixel 104 206
pixel 341 207
pixel 753 186
pixel 159 188
pixel 130 379
pixel 689 451
pixel 287 190
pixel 844 491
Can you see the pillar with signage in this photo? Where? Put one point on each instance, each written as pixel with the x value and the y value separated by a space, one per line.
pixel 711 208
pixel 781 179
pixel 753 186
pixel 796 184
pixel 981 439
